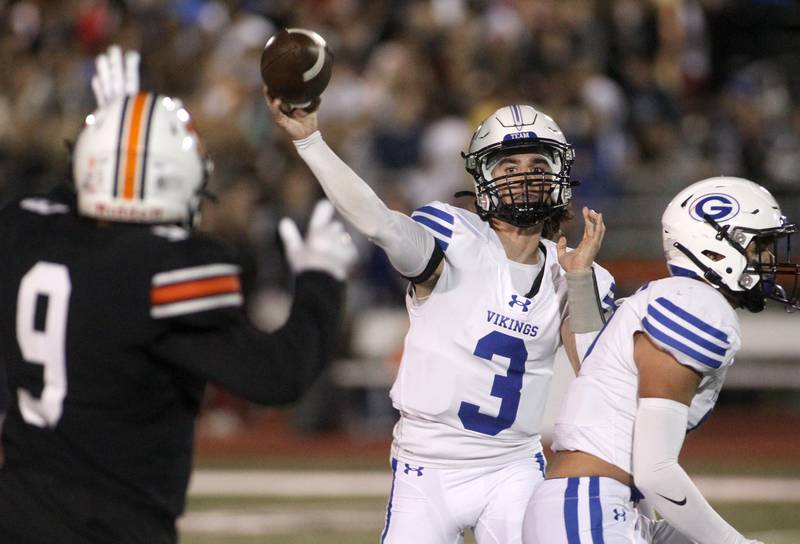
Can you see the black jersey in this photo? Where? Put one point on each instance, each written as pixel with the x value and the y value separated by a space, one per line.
pixel 108 335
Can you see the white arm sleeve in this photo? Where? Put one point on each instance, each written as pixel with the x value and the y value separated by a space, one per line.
pixel 657 440
pixel 407 244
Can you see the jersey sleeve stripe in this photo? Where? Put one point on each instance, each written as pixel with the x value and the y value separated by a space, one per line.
pixel 432 225
pixel 195 305
pixel 436 212
pixel 195 289
pixel 684 332
pixel 697 322
pixel 608 301
pixel 683 348
pixel 194 273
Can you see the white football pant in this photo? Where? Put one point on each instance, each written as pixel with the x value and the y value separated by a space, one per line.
pixel 591 510
pixel 436 505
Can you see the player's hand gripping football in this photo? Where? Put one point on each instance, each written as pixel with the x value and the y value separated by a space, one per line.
pixel 116 76
pixel 327 246
pixel 581 257
pixel 298 123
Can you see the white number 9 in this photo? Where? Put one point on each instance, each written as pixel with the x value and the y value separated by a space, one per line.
pixel 44 290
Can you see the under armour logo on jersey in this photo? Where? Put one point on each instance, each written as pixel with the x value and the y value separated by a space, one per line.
pixel 516 302
pixel 619 514
pixel 409 468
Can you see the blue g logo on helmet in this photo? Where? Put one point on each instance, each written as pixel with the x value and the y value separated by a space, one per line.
pixel 717 206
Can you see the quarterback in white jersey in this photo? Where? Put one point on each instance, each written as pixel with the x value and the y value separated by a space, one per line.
pixel 479 353
pixel 488 304
pixel 655 372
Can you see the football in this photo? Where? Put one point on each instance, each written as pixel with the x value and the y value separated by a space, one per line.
pixel 296 67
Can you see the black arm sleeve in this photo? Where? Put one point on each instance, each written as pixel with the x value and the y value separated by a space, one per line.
pixel 269 369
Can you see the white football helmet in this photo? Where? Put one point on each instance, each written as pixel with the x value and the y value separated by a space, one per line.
pixel 521 198
pixel 139 159
pixel 708 229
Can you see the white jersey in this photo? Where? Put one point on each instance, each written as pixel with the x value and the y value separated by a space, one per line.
pixel 478 357
pixel 685 317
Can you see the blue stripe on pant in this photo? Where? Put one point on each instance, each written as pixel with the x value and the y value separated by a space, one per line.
pixel 540 461
pixel 595 510
pixel 389 506
pixel 571 511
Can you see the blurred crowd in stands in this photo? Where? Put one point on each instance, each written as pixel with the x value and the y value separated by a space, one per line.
pixel 653 94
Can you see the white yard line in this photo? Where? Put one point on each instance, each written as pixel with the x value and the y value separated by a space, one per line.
pixel 286 483
pixel 281 519
pixel 748 488
pixel 280 483
pixel 264 522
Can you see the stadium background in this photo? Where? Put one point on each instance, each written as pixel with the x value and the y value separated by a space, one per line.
pixel 653 95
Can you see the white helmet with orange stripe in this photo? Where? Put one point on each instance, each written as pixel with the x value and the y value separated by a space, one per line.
pixel 138 159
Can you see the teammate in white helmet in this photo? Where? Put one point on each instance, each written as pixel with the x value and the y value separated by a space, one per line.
pixel 488 306
pixel 655 371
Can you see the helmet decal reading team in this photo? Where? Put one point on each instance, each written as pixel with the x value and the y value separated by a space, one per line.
pixel 519 136
pixel 720 207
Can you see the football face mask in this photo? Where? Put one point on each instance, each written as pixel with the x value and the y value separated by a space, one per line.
pixel 522 185
pixel 770 259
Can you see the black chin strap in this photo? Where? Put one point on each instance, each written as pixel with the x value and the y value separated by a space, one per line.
pixel 723 234
pixel 710 275
pixel 459 194
pixel 537 282
pixel 752 299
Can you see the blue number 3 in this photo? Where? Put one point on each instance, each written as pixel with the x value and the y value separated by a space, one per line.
pixel 507 388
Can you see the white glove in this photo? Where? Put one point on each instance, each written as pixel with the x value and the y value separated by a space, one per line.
pixel 116 76
pixel 327 246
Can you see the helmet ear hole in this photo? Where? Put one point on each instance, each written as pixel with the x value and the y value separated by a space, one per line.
pixel 714 256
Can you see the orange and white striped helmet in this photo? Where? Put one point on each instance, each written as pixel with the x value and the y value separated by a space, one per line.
pixel 139 159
